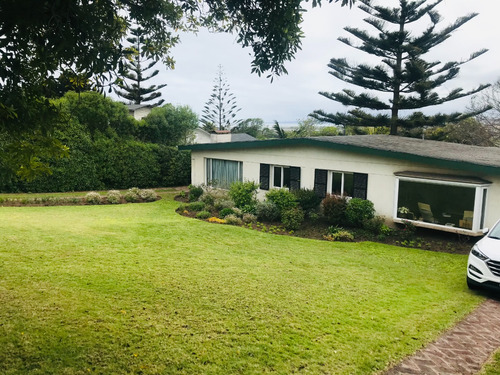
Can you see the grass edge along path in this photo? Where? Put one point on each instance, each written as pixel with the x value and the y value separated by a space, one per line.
pixel 140 289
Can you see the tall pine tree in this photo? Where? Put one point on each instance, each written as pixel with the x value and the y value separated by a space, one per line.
pixel 407 79
pixel 134 77
pixel 220 110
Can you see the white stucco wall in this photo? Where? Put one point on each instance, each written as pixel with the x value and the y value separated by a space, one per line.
pixel 380 170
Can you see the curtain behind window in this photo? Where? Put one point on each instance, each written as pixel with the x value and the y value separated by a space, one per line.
pixel 224 172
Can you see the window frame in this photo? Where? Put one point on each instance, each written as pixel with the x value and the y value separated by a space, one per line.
pixel 329 182
pixel 282 178
pixel 480 202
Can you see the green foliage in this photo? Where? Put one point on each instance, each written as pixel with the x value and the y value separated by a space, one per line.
pixel 222 203
pixel 168 125
pixel 221 109
pixel 136 70
pixel 333 208
pixel 114 197
pixel 282 198
pixel 307 199
pixel 243 193
pixel 374 225
pixel 249 218
pixel 148 195
pixel 203 215
pixel 93 197
pixel 196 206
pixel 131 195
pixel 195 192
pixel 251 126
pixel 232 219
pixel 403 72
pixel 336 233
pixel 292 218
pixel 226 211
pixel 358 211
pixel 267 211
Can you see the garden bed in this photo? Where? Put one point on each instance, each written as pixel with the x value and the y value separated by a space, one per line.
pixel 317 227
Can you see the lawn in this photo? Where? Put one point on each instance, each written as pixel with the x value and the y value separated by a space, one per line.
pixel 139 289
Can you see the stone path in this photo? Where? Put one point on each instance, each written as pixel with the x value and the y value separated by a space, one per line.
pixel 460 351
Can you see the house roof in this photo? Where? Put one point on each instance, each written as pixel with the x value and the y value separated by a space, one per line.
pixel 440 154
pixel 135 107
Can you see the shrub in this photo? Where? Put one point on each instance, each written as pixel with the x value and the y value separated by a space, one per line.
pixel 282 198
pixel 207 198
pixel 132 195
pixel 226 211
pixel 243 193
pixel 267 211
pixel 195 192
pixel 221 204
pixel 308 199
pixel 336 233
pixel 233 220
pixel 114 197
pixel 148 195
pixel 249 218
pixel 237 212
pixel 313 217
pixel 203 215
pixel 196 206
pixel 374 225
pixel 292 218
pixel 333 208
pixel 358 211
pixel 92 197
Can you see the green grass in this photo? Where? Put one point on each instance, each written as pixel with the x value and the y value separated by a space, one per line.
pixel 493 366
pixel 138 289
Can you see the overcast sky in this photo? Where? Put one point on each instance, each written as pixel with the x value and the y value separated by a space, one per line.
pixel 292 97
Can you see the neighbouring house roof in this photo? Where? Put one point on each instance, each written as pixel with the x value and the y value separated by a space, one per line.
pixel 440 154
pixel 135 107
pixel 220 136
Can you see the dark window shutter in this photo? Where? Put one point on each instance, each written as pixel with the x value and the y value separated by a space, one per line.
pixel 294 178
pixel 320 181
pixel 360 185
pixel 264 176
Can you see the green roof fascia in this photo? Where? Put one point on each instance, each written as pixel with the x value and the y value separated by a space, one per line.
pixel 438 162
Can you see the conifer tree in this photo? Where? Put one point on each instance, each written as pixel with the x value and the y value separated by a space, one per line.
pixel 407 80
pixel 132 84
pixel 220 110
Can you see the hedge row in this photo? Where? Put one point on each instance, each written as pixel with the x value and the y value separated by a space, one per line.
pixel 106 164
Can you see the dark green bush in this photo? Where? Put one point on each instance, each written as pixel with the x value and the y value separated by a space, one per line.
pixel 333 209
pixel 267 211
pixel 282 198
pixel 226 211
pixel 374 225
pixel 243 193
pixel 358 211
pixel 196 206
pixel 203 215
pixel 292 218
pixel 195 192
pixel 307 199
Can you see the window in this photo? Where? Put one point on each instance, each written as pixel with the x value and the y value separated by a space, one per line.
pixel 279 176
pixel 222 173
pixel 341 183
pixel 442 200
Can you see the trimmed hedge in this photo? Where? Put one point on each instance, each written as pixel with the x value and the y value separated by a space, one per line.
pixel 111 164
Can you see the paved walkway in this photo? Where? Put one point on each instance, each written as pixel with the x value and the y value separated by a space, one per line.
pixel 460 351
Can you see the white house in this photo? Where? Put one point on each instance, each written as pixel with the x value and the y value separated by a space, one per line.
pixel 446 186
pixel 139 111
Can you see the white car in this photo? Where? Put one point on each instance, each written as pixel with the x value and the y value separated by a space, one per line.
pixel 483 267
